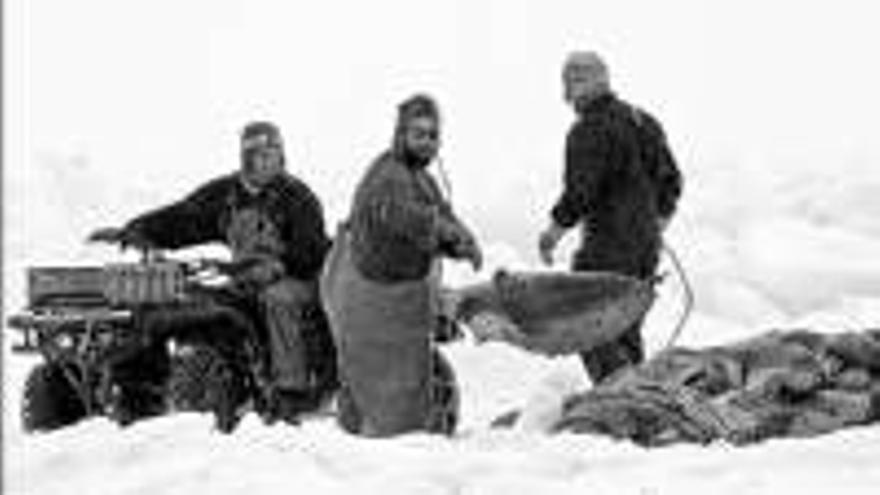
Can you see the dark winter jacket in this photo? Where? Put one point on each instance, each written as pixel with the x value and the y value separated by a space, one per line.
pixel 397 221
pixel 283 221
pixel 617 191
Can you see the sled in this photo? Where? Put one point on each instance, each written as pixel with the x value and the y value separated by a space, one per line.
pixel 552 313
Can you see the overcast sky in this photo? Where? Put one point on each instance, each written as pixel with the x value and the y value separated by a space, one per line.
pixel 155 91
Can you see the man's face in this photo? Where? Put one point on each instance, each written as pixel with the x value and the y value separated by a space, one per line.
pixel 421 138
pixel 583 81
pixel 263 159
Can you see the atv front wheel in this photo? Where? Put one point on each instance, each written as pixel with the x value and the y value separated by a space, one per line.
pixel 50 399
pixel 138 385
pixel 203 380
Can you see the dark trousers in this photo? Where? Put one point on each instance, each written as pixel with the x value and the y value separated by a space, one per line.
pixel 604 360
pixel 627 350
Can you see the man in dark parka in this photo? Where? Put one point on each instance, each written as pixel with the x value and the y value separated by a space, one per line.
pixel 621 184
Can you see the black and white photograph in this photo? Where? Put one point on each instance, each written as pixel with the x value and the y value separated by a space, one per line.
pixel 440 247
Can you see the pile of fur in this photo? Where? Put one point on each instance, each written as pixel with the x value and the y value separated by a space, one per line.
pixel 791 383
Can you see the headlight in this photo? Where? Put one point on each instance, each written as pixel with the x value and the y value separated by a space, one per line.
pixel 64 341
pixel 179 349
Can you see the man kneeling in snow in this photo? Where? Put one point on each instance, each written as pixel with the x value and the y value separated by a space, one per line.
pixel 380 285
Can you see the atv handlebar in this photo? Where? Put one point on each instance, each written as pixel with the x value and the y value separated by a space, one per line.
pixel 128 238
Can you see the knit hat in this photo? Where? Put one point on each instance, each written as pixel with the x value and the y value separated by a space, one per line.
pixel 257 135
pixel 418 105
pixel 260 133
pixel 591 63
pixel 587 60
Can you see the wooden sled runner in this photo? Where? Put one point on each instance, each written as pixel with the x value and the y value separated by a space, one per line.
pixel 552 313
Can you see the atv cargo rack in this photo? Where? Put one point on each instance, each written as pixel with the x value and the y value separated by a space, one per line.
pixel 120 284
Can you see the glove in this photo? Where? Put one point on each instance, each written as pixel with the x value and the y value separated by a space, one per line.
pixel 547 242
pixel 261 274
pixel 125 237
pixel 109 235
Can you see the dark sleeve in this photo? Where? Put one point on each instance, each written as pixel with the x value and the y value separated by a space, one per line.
pixel 307 241
pixel 666 176
pixel 586 162
pixel 190 221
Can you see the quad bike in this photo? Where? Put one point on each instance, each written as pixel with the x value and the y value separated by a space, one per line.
pixel 133 340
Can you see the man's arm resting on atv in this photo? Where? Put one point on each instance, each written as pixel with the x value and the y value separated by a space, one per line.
pixel 191 221
pixel 120 235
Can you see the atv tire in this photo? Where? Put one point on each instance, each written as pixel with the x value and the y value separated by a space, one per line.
pixel 203 380
pixel 132 403
pixel 50 399
pixel 138 386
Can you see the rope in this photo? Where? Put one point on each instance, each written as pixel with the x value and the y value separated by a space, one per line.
pixel 444 180
pixel 688 296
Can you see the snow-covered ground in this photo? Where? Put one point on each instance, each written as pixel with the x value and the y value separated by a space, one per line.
pixel 798 259
pixel 116 107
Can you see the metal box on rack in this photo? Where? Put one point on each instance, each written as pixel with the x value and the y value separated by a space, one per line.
pixel 152 283
pixel 59 286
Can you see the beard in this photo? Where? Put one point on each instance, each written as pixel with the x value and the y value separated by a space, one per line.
pixel 417 158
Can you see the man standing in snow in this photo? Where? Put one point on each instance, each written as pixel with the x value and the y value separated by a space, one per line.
pixel 380 285
pixel 621 184
pixel 274 226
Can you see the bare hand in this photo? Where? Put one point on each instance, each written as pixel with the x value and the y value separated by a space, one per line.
pixel 547 242
pixel 663 223
pixel 488 326
pixel 464 245
pixel 474 254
